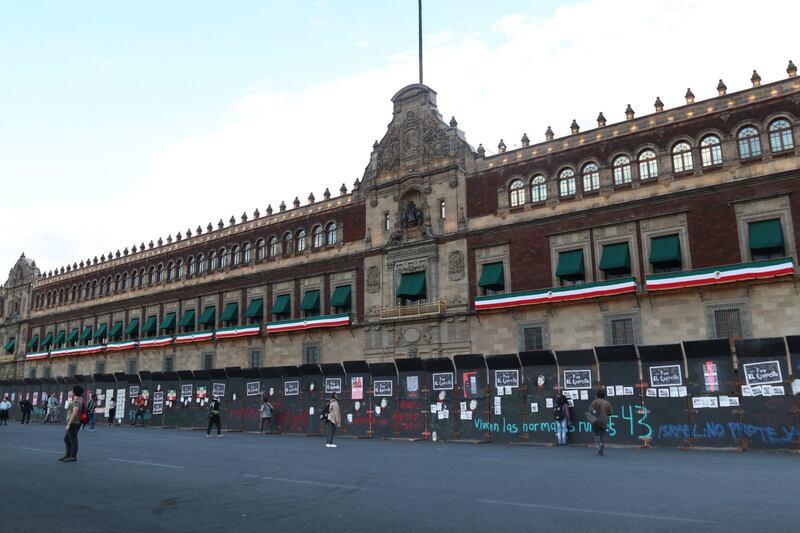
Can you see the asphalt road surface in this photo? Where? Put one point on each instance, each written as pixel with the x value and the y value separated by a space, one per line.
pixel 150 479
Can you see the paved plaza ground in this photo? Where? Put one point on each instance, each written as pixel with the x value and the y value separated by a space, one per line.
pixel 150 479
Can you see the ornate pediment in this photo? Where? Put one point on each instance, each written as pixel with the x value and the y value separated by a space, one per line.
pixel 23 272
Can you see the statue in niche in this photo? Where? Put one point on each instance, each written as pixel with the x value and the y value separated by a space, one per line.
pixel 413 216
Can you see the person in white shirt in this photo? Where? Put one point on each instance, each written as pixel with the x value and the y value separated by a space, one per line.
pixel 5 407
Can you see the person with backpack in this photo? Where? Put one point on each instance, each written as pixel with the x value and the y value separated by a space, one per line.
pixel 77 416
pixel 213 417
pixel 332 418
pixel 90 411
pixel 598 415
pixel 561 416
pixel 266 414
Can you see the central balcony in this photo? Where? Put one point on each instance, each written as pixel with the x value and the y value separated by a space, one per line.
pixel 438 307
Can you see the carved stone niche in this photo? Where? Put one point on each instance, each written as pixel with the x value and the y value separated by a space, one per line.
pixel 455 265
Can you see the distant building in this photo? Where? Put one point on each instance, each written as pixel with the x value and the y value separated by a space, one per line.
pixel 676 225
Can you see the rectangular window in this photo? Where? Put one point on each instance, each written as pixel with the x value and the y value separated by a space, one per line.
pixel 133 366
pixel 208 361
pixel 533 338
pixel 616 260
pixel 169 364
pixel 728 321
pixel 255 359
pixel 311 354
pixel 72 370
pixel 32 372
pixel 765 239
pixel 621 329
pixel 47 372
pixel 442 209
pixel 100 367
pixel 386 222
pixel 665 254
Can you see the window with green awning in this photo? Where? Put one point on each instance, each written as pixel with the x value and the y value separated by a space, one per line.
pixel 492 277
pixel 342 296
pixel 282 306
pixel 412 286
pixel 310 303
pixel 570 266
pixel 150 324
pixel 207 318
pixel 116 329
pixel 230 313
pixel 33 344
pixel 102 331
pixel 48 340
pixel 168 323
pixel 665 251
pixel 616 260
pixel 765 236
pixel 187 320
pixel 133 327
pixel 73 336
pixel 86 334
pixel 59 340
pixel 9 346
pixel 255 311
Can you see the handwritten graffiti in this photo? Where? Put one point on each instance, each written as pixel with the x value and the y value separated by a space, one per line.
pixel 731 430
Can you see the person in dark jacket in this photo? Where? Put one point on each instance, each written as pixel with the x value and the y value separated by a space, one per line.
pixel 599 413
pixel 213 417
pixel 27 408
pixel 561 416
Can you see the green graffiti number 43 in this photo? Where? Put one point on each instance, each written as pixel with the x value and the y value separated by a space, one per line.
pixel 635 416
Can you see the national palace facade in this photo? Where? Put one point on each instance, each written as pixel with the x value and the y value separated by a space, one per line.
pixel 675 225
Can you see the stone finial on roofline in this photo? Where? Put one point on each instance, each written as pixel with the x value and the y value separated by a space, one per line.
pixel 501 147
pixel 327 194
pixel 658 104
pixel 481 151
pixel 755 79
pixel 343 189
pixel 525 140
pixel 296 202
pixel 791 70
pixel 601 120
pixel 548 134
pixel 722 88
pixel 689 96
pixel 629 114
pixel 282 207
pixel 574 128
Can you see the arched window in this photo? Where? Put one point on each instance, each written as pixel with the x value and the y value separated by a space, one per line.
pixel 72 293
pixel 212 261
pixel 516 193
pixel 87 290
pixel 316 237
pixel 223 257
pixel 331 236
pixel 124 282
pixel 622 170
pixel 180 269
pixel 170 271
pixel 780 135
pixel 94 289
pixel 272 248
pixel 236 257
pixel 566 182
pixel 288 247
pixel 682 158
pixel 300 240
pixel 201 263
pixel 538 189
pixel 141 277
pixel 591 177
pixel 749 143
pixel 648 165
pixel 134 279
pixel 162 274
pixel 191 265
pixel 261 249
pixel 117 283
pixel 248 252
pixel 151 279
pixel 710 151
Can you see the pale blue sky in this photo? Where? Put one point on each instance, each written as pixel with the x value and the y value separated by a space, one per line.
pixel 163 115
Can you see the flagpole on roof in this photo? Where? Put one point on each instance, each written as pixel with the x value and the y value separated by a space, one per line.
pixel 419 4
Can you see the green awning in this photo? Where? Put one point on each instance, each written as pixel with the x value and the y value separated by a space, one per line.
pixel 255 309
pixel 616 257
pixel 492 277
pixel 187 320
pixel 341 296
pixel 150 324
pixel 33 343
pixel 231 312
pixel 60 338
pixel 133 327
pixel 207 318
pixel 73 335
pixel 116 329
pixel 10 344
pixel 570 265
pixel 412 286
pixel 283 305
pixel 168 322
pixel 665 250
pixel 310 301
pixel 86 334
pixel 48 340
pixel 102 331
pixel 766 234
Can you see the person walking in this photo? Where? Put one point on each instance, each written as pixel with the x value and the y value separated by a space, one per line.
pixel 598 415
pixel 5 407
pixel 90 410
pixel 73 425
pixel 213 417
pixel 332 417
pixel 266 415
pixel 140 403
pixel 52 409
pixel 561 416
pixel 27 408
pixel 112 411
